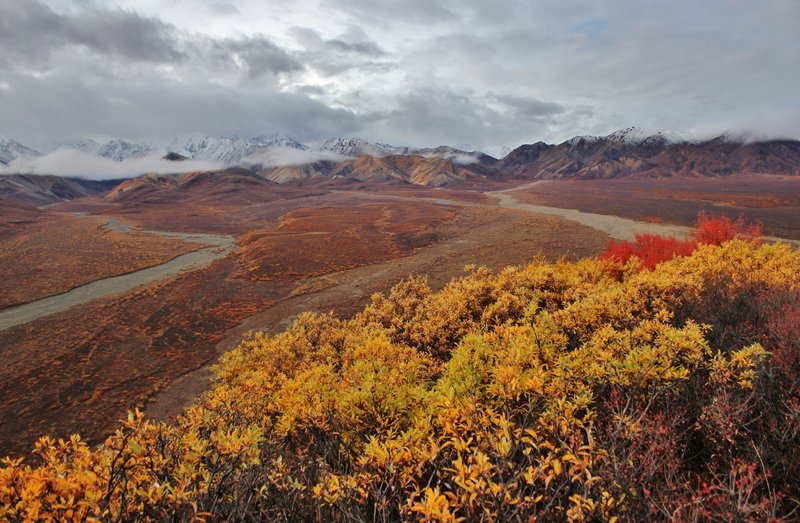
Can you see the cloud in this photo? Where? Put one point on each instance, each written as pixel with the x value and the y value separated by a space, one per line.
pixel 223 8
pixel 348 51
pixel 70 162
pixel 257 55
pixel 365 48
pixel 457 157
pixel 400 11
pixel 31 33
pixel 437 115
pixel 416 72
pixel 284 156
pixel 527 107
pixel 152 107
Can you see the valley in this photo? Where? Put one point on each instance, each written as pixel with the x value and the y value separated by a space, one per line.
pixel 80 369
pixel 123 295
pixel 346 261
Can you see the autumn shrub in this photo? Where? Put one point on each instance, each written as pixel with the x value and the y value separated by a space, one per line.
pixel 716 230
pixel 651 249
pixel 561 391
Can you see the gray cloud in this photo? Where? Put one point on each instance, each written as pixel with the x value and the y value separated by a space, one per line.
pixel 366 48
pixel 223 8
pixel 527 107
pixel 439 115
pixel 31 32
pixel 415 72
pixel 66 106
pixel 331 57
pixel 399 11
pixel 256 54
pixel 70 162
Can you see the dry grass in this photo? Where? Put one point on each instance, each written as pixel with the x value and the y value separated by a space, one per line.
pixel 771 200
pixel 58 252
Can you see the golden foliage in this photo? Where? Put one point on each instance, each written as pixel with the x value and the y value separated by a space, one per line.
pixel 568 391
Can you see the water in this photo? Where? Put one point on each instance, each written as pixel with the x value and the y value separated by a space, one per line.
pixel 221 246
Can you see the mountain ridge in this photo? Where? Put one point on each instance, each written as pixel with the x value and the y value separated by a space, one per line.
pixel 626 152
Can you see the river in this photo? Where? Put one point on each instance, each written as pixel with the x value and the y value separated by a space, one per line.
pixel 219 247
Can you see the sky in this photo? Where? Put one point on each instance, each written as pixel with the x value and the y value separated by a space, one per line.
pixel 473 73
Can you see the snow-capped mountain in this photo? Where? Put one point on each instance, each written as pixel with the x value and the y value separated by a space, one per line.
pixel 360 147
pixel 228 150
pixel 10 150
pixel 117 150
pixel 499 152
pixel 630 136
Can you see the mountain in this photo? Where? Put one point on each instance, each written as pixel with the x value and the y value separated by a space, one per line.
pixel 430 167
pixel 44 190
pixel 10 150
pixel 227 150
pixel 293 173
pixel 233 186
pixel 117 150
pixel 499 152
pixel 627 152
pixel 359 147
pixel 630 152
pixel 430 170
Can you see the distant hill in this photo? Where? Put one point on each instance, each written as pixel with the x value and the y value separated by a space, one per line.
pixel 232 186
pixel 415 169
pixel 628 153
pixel 279 159
pixel 39 190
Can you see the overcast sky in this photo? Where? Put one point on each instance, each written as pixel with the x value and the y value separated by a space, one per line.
pixel 407 72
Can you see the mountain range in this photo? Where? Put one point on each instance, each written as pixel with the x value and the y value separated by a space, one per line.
pixel 627 152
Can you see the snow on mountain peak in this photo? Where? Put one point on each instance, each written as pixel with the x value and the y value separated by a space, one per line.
pixel 630 136
pixel 10 150
pixel 361 147
pixel 229 150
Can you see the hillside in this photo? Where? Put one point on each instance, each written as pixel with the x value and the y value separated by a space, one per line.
pixel 620 154
pixel 42 190
pixel 597 390
pixel 230 186
pixel 625 153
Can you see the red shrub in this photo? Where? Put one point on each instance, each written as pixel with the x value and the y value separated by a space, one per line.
pixel 715 230
pixel 651 249
pixel 783 337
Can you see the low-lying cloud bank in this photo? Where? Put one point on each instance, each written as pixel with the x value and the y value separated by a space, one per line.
pixel 457 157
pixel 71 162
pixel 284 156
pixel 75 163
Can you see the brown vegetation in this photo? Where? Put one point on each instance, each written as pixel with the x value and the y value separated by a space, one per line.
pixel 773 201
pixel 312 242
pixel 54 253
pixel 588 391
pixel 79 370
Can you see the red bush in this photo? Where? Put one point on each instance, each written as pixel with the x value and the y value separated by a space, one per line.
pixel 783 337
pixel 715 230
pixel 651 249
